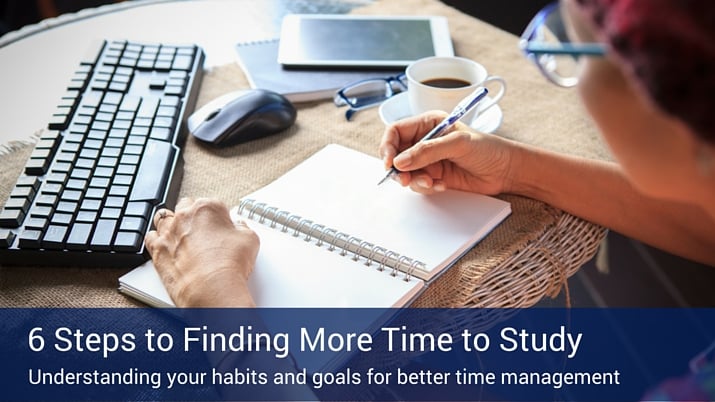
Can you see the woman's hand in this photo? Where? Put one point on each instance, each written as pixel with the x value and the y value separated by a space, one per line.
pixel 203 259
pixel 461 159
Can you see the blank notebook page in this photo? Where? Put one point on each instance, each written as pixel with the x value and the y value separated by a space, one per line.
pixel 337 187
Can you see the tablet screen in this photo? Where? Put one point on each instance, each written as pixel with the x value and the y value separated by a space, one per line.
pixel 309 40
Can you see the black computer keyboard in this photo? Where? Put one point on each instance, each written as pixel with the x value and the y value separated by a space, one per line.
pixel 110 157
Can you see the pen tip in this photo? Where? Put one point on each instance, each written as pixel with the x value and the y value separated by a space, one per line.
pixel 389 174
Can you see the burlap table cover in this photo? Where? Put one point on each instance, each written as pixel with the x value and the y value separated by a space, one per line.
pixel 527 257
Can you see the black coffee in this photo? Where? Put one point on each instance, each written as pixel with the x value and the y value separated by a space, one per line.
pixel 446 83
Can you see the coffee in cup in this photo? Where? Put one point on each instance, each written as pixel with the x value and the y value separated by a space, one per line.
pixel 440 83
pixel 446 83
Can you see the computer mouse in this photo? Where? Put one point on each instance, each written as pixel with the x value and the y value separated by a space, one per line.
pixel 242 116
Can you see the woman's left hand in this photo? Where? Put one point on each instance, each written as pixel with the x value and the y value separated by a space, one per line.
pixel 203 258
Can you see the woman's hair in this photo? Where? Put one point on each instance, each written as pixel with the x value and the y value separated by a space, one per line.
pixel 668 46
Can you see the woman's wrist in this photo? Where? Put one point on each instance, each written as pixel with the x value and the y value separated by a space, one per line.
pixel 525 174
pixel 219 287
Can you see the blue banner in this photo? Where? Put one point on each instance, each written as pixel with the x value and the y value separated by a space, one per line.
pixel 355 354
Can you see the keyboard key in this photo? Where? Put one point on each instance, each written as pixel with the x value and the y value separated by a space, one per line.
pixel 37 166
pixel 104 172
pixel 20 203
pixel 47 199
pixel 6 238
pixel 129 160
pixel 59 121
pixel 92 99
pixel 52 188
pixel 174 90
pixel 86 216
pixel 95 193
pixel 123 71
pixel 142 209
pixel 157 83
pixel 56 178
pixel 68 207
pixel 103 235
pixel 72 141
pixel 61 218
pixel 26 192
pixel 112 98
pixel 106 161
pixel 122 124
pixel 40 153
pixel 41 211
pixel 30 239
pixel 161 133
pixel 54 237
pixel 99 182
pixel 11 218
pixel 123 179
pixel 76 184
pixel 152 176
pixel 86 163
pixel 164 122
pixel 167 111
pixel 130 104
pixel 109 110
pixel 61 167
pixel 111 213
pixel 148 107
pixel 114 202
pixel 28 181
pixel 133 224
pixel 68 157
pixel 90 205
pixel 182 62
pixel 128 241
pixel 79 236
pixel 126 169
pixel 118 86
pixel 79 173
pixel 71 195
pixel 35 223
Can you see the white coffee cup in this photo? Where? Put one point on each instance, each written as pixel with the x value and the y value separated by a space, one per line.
pixel 429 80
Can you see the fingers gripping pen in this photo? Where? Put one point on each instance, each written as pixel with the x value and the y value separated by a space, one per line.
pixel 462 108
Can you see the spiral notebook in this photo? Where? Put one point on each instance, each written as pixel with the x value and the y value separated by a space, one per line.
pixel 330 237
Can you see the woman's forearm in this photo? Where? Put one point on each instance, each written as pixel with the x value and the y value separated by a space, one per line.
pixel 599 192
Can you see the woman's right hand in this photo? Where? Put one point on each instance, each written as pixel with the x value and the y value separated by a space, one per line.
pixel 461 159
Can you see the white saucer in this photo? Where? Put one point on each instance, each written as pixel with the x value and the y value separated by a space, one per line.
pixel 397 108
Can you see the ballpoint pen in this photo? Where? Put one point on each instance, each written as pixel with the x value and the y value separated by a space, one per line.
pixel 462 108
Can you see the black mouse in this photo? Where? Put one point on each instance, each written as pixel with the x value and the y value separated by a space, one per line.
pixel 242 116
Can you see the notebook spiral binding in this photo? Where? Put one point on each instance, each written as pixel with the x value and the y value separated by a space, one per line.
pixel 347 245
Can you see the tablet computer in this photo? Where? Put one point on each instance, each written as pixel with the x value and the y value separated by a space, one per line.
pixel 318 40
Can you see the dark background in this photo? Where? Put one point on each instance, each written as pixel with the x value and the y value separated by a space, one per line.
pixel 639 276
pixel 511 15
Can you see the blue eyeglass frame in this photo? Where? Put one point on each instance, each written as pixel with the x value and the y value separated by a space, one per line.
pixel 532 48
pixel 341 99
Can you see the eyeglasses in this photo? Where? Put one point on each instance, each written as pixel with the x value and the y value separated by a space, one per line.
pixel 369 93
pixel 546 43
